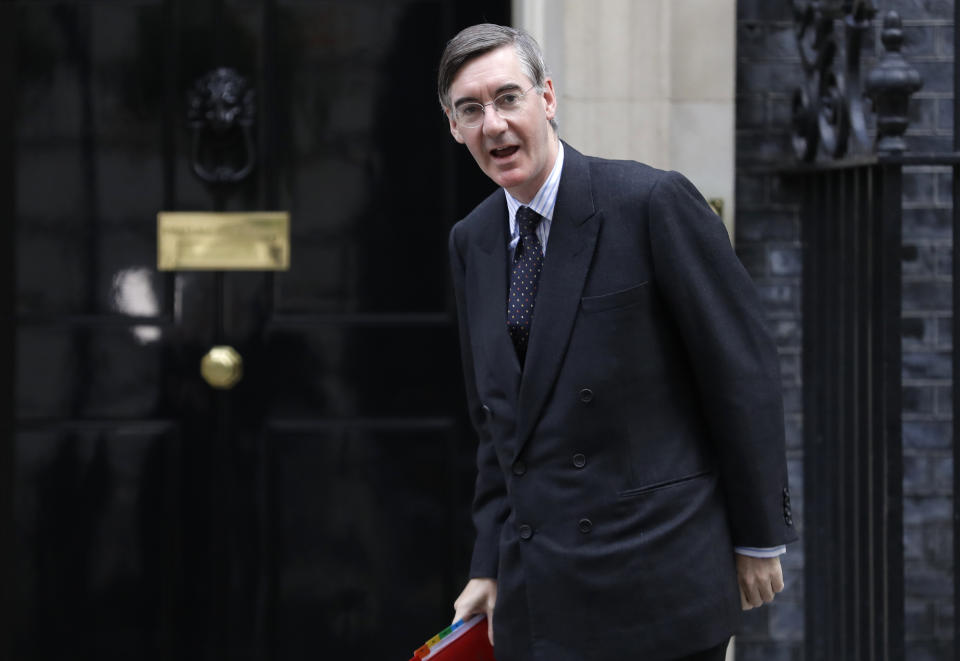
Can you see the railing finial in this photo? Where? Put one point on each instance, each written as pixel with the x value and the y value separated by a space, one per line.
pixel 890 85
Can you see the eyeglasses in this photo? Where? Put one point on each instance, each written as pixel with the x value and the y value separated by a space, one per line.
pixel 470 115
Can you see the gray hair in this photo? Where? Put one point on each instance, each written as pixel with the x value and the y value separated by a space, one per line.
pixel 478 40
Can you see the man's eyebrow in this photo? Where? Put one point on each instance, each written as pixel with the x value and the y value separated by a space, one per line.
pixel 506 87
pixel 464 100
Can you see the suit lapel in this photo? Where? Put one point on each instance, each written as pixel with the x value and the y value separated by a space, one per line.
pixel 570 247
pixel 491 290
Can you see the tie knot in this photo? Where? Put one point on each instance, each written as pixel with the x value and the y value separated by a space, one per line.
pixel 527 220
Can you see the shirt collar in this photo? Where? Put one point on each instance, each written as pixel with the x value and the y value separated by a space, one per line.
pixel 545 199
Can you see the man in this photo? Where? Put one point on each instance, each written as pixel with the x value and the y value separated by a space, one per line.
pixel 623 386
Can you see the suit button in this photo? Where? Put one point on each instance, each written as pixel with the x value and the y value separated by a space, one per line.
pixel 585 525
pixel 586 395
pixel 789 520
pixel 519 468
pixel 526 532
pixel 487 413
pixel 579 460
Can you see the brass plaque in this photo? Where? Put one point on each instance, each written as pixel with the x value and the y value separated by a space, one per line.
pixel 243 241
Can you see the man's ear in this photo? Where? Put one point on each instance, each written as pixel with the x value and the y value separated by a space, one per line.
pixel 550 98
pixel 454 131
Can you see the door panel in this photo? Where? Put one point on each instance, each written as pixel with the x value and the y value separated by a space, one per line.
pixel 321 506
pixel 365 173
pixel 102 537
pixel 89 372
pixel 339 370
pixel 365 556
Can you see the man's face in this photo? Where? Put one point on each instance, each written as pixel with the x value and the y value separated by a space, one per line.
pixel 517 152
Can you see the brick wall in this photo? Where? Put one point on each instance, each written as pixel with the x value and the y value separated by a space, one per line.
pixel 927 328
pixel 768 242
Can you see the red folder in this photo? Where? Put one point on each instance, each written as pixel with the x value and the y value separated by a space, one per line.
pixel 468 642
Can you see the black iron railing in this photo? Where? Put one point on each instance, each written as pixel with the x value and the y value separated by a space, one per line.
pixel 853 468
pixel 851 215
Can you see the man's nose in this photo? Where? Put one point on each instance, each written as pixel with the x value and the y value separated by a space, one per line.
pixel 493 123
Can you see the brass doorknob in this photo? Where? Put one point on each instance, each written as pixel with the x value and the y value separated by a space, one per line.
pixel 222 367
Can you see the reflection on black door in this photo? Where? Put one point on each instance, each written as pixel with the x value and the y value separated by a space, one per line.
pixel 319 509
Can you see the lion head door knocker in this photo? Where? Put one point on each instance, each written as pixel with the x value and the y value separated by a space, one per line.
pixel 220 118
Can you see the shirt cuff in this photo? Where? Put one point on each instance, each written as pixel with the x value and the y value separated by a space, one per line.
pixel 753 552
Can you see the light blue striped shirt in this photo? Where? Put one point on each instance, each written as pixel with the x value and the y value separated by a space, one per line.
pixel 543 203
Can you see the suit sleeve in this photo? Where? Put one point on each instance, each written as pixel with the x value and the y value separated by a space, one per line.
pixel 490 507
pixel 720 319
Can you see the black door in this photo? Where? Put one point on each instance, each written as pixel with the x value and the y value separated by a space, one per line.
pixel 319 509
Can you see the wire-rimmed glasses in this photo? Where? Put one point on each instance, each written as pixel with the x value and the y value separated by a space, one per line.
pixel 470 115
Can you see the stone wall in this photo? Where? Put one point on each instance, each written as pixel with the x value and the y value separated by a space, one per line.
pixel 649 80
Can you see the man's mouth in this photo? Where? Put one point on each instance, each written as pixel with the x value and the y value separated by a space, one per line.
pixel 504 152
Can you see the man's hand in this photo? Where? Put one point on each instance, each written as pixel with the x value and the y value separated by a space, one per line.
pixel 479 596
pixel 759 578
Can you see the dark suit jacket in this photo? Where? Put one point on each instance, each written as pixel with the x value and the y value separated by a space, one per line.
pixel 644 437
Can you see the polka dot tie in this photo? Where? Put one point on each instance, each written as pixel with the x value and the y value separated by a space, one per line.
pixel 527 264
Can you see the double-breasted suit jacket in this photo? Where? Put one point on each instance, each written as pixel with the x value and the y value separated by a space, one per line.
pixel 643 437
